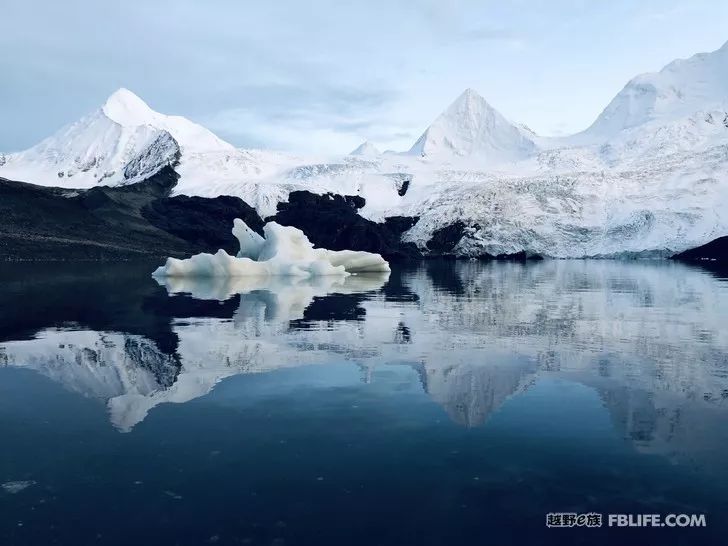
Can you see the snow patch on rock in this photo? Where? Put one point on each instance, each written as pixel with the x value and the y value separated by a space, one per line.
pixel 164 150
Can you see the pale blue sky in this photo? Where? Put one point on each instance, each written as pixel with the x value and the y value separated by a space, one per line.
pixel 324 75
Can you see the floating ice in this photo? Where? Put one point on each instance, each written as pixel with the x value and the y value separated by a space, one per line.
pixel 284 251
pixel 17 487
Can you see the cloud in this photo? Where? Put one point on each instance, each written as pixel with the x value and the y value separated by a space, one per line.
pixel 502 36
pixel 304 132
pixel 292 100
pixel 289 116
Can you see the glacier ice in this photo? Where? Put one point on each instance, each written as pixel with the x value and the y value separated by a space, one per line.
pixel 283 251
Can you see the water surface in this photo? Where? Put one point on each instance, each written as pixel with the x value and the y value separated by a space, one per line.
pixel 446 403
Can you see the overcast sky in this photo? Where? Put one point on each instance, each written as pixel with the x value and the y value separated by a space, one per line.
pixel 319 75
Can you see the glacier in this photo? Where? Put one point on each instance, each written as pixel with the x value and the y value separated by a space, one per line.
pixel 281 251
pixel 648 178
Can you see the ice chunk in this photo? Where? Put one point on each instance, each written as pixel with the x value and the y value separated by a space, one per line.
pixel 284 250
pixel 17 487
pixel 250 242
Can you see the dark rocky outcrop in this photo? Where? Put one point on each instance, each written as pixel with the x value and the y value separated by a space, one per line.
pixel 400 224
pixel 202 221
pixel 135 221
pixel 521 256
pixel 445 239
pixel 102 223
pixel 714 251
pixel 142 220
pixel 332 221
pixel 402 189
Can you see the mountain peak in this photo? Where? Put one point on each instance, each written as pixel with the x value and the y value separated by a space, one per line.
pixel 472 127
pixel 470 103
pixel 366 148
pixel 470 95
pixel 126 108
pixel 117 143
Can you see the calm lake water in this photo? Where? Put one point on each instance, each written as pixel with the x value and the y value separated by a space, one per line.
pixel 447 403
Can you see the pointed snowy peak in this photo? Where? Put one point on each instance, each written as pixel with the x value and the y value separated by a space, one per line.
pixel 472 127
pixel 120 142
pixel 127 109
pixel 471 100
pixel 366 149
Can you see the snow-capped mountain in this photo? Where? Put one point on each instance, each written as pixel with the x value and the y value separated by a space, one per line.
pixel 681 108
pixel 472 127
pixel 649 177
pixel 366 149
pixel 120 142
pixel 679 90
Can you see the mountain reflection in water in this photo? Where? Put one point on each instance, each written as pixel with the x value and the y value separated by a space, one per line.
pixel 486 394
pixel 650 338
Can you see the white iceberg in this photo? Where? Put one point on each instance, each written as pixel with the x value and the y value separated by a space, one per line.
pixel 283 251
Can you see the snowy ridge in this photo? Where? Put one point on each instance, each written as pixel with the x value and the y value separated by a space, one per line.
pixel 649 177
pixel 126 109
pixel 680 89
